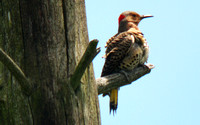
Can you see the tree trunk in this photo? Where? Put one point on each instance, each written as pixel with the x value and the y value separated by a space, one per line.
pixel 47 39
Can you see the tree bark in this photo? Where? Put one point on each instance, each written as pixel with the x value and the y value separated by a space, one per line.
pixel 14 107
pixel 47 40
pixel 107 83
pixel 47 80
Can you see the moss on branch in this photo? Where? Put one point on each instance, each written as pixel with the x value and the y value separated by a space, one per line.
pixel 85 61
pixel 16 72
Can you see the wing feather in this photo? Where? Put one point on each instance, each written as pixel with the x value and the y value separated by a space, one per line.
pixel 117 48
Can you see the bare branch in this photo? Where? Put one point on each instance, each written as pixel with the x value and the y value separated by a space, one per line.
pixel 85 61
pixel 16 72
pixel 107 83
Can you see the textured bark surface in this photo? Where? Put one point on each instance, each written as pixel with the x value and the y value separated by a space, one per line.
pixel 46 39
pixel 77 37
pixel 116 80
pixel 14 107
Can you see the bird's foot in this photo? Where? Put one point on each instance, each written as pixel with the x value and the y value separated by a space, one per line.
pixel 143 65
pixel 126 75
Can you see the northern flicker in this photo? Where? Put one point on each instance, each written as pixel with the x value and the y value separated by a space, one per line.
pixel 126 50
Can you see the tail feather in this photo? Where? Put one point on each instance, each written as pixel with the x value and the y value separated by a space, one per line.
pixel 113 100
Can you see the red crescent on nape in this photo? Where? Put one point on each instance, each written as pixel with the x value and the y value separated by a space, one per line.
pixel 121 17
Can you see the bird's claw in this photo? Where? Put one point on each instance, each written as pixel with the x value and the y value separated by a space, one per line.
pixel 126 75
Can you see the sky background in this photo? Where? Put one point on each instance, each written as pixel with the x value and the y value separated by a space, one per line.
pixel 170 94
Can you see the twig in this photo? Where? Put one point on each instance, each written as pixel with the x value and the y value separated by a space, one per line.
pixel 107 83
pixel 16 72
pixel 86 59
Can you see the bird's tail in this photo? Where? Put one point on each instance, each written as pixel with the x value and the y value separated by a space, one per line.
pixel 113 100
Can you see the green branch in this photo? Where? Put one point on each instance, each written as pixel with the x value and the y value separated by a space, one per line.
pixel 85 61
pixel 16 72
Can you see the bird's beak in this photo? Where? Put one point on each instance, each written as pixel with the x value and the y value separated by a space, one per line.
pixel 145 16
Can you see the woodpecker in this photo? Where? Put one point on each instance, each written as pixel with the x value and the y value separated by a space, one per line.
pixel 125 51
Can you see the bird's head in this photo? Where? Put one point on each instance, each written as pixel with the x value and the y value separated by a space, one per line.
pixel 130 19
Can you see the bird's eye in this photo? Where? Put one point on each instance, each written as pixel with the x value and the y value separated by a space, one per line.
pixel 134 15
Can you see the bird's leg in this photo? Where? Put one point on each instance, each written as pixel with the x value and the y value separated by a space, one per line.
pixel 126 75
pixel 142 65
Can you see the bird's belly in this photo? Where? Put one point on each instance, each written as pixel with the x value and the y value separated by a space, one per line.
pixel 137 55
pixel 129 63
pixel 132 60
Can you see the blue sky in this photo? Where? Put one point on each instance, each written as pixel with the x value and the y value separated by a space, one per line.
pixel 170 94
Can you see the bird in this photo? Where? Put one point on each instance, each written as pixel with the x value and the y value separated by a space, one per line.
pixel 125 51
